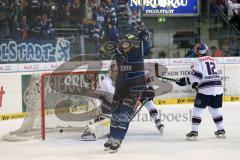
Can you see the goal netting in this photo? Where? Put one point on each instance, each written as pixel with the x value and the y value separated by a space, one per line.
pixel 57 102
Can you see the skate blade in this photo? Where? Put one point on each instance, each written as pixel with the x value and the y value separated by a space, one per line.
pixel 221 136
pixel 88 139
pixel 192 138
pixel 106 149
pixel 113 151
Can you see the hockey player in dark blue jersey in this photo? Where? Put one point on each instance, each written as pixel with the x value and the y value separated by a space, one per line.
pixel 130 87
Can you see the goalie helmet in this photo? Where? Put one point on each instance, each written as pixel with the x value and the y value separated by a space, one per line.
pixel 201 49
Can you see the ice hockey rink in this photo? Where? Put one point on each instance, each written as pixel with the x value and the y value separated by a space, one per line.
pixel 142 141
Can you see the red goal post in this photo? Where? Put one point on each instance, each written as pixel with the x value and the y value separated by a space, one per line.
pixel 42 101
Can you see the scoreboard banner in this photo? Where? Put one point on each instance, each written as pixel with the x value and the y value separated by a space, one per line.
pixel 156 8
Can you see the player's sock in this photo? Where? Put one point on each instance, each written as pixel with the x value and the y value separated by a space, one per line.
pixel 149 105
pixel 152 111
pixel 154 115
pixel 196 118
pixel 217 118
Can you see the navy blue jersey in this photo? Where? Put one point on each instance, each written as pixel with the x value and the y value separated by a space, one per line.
pixel 131 70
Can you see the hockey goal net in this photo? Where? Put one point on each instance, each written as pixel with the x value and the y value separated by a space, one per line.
pixel 57 102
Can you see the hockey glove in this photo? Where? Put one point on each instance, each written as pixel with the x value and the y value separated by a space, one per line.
pixel 183 81
pixel 147 94
pixel 195 86
pixel 143 35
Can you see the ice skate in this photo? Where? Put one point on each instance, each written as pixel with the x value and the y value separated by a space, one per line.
pixel 192 136
pixel 115 146
pixel 108 144
pixel 220 133
pixel 159 126
pixel 88 136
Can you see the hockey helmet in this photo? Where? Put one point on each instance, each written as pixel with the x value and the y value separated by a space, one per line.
pixel 202 49
pixel 127 42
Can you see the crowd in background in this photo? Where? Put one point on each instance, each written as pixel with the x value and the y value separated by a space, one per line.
pixel 97 19
pixel 38 18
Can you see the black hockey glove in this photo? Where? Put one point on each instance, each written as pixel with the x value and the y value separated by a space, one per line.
pixel 183 81
pixel 195 86
pixel 147 94
pixel 143 35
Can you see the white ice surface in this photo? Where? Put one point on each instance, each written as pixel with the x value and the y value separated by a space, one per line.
pixel 142 141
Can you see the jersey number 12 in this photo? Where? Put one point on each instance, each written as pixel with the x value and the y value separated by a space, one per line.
pixel 211 68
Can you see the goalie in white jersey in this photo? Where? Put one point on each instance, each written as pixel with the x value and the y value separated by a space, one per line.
pixel 208 84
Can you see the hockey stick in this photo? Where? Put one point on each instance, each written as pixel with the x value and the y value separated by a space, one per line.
pixel 162 77
pixel 131 118
pixel 136 112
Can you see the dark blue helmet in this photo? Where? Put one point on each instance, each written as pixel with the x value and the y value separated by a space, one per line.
pixel 202 49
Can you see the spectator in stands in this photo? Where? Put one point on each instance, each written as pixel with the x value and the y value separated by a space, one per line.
pixel 24 28
pixel 46 27
pixel 4 26
pixel 224 47
pixel 111 21
pixel 67 16
pixel 112 34
pixel 15 15
pixel 100 17
pixel 191 52
pixel 96 32
pixel 36 27
pixel 34 7
pixel 88 10
pixel 91 8
pixel 216 52
pixel 220 3
pixel 162 54
pixel 134 20
pixel 95 5
pixel 77 11
pixel 234 48
pixel 110 12
pixel 122 8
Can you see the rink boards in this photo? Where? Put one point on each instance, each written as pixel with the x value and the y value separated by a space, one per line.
pixel 12 86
